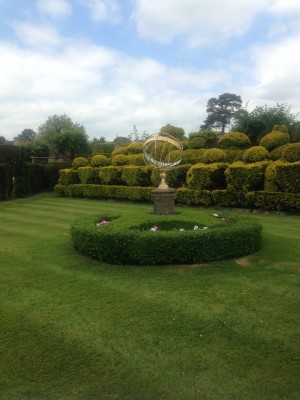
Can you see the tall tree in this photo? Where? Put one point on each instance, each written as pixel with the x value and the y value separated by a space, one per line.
pixel 57 124
pixel 2 140
pixel 27 135
pixel 220 111
pixel 261 120
pixel 70 141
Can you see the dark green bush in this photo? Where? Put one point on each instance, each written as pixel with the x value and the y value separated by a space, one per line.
pixel 276 154
pixel 207 176
pixel 288 177
pixel 291 153
pixel 247 177
pixel 193 156
pixel 194 197
pixel 111 175
pixel 233 155
pixel 197 143
pixel 136 176
pixel 255 153
pixel 275 201
pixel 234 140
pixel 127 241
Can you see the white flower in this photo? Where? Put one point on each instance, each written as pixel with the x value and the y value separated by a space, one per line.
pixel 205 227
pixel 196 227
pixel 181 229
pixel 216 215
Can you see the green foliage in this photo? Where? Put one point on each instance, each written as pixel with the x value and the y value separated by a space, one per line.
pixel 206 176
pixel 136 176
pixel 221 110
pixel 210 138
pixel 197 143
pixel 99 160
pixel 119 159
pixel 87 174
pixel 288 177
pixel 102 148
pixel 193 156
pixel 68 176
pixel 262 119
pixel 73 142
pixel 276 154
pixel 134 243
pixel 270 183
pixel 255 153
pixel 10 153
pixel 111 175
pixel 234 140
pixel 291 153
pixel 272 201
pixel 58 124
pixel 233 155
pixel 213 156
pixel 134 148
pixel 119 150
pixel 274 139
pixel 247 177
pixel 136 159
pixel 79 162
pixel 174 131
pixel 26 136
pixel 194 197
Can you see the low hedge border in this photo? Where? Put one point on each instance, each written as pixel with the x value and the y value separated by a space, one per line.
pixel 127 240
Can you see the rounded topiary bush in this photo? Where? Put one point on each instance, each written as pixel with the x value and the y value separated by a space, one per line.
pixel 135 148
pixel 119 159
pixel 214 156
pixel 119 150
pixel 234 140
pixel 276 154
pixel 197 143
pixel 79 162
pixel 291 153
pixel 171 239
pixel 274 139
pixel 99 160
pixel 255 154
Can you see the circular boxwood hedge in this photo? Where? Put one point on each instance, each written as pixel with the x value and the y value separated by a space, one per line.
pixel 164 239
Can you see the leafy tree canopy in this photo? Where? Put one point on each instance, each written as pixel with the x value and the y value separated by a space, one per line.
pixel 57 124
pixel 2 140
pixel 71 141
pixel 261 120
pixel 27 135
pixel 221 110
pixel 175 131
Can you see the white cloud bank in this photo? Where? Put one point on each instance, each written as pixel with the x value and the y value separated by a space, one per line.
pixel 44 73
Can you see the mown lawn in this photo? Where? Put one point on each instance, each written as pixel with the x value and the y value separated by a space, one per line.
pixel 73 328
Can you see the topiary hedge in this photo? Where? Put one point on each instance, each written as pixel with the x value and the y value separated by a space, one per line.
pixel 274 139
pixel 247 177
pixel 291 153
pixel 121 239
pixel 234 140
pixel 207 176
pixel 214 155
pixel 255 154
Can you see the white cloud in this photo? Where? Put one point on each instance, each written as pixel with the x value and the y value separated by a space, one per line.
pixel 103 10
pixel 55 8
pixel 36 36
pixel 285 7
pixel 197 21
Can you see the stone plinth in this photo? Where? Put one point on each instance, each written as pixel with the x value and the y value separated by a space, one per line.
pixel 164 200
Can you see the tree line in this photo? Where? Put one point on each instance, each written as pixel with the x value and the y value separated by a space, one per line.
pixel 59 135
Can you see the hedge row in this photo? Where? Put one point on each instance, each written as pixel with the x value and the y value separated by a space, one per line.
pixel 272 201
pixel 134 243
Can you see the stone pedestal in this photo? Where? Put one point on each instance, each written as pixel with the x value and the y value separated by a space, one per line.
pixel 164 200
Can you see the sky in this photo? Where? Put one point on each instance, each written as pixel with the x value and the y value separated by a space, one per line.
pixel 111 65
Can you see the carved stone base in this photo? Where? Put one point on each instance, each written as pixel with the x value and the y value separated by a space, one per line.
pixel 164 200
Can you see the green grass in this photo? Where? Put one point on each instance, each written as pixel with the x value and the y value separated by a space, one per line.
pixel 73 328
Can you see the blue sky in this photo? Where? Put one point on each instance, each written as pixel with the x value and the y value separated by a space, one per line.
pixel 112 64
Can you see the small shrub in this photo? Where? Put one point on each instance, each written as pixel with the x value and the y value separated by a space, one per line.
pixel 119 150
pixel 270 183
pixel 68 176
pixel 79 162
pixel 193 156
pixel 136 176
pixel 233 155
pixel 99 160
pixel 291 153
pixel 288 176
pixel 246 177
pixel 276 154
pixel 136 159
pixel 255 154
pixel 234 140
pixel 213 156
pixel 197 143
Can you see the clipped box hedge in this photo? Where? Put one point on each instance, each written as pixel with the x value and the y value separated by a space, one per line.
pixel 127 240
